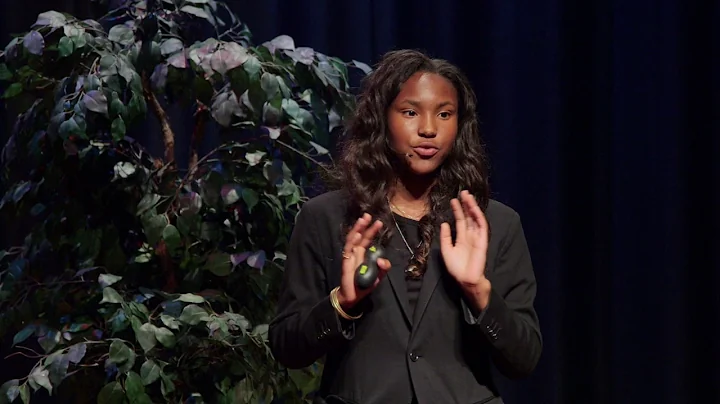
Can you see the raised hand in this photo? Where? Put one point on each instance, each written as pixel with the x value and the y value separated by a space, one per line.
pixel 465 258
pixel 357 241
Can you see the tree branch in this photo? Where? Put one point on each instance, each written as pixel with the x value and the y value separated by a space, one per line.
pixel 201 118
pixel 168 136
pixel 166 130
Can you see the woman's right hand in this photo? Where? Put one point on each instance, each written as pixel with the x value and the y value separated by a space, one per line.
pixel 357 241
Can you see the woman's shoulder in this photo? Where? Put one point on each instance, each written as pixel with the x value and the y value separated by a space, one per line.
pixel 501 216
pixel 328 206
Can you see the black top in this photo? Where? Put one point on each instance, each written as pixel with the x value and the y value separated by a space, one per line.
pixel 436 349
pixel 411 230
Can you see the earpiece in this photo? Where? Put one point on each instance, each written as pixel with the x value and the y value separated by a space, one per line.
pixel 406 154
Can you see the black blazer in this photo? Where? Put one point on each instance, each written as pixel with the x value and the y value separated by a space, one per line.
pixel 440 353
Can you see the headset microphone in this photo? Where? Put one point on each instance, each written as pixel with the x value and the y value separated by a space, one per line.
pixel 407 154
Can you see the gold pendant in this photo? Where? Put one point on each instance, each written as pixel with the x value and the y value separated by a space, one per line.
pixel 413 271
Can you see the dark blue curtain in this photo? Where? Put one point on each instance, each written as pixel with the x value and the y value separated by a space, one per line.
pixel 602 119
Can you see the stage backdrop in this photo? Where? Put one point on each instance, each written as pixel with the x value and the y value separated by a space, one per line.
pixel 602 119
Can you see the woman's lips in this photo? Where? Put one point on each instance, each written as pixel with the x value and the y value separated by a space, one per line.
pixel 425 151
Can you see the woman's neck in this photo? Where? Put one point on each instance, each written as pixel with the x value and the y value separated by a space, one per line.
pixel 411 198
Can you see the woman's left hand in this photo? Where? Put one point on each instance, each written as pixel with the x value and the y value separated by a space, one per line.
pixel 465 258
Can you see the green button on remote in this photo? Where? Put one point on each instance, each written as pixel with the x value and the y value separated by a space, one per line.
pixel 367 272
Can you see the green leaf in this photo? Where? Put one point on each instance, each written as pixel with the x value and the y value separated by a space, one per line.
pixel 298 115
pixel 250 197
pixel 13 90
pixel 49 340
pixel 257 259
pixel 219 264
pixel 5 73
pixel 149 372
pixel 111 393
pixel 154 225
pixel 171 46
pixel 196 11
pixel 65 47
pixel 230 193
pixel 165 337
pixel 231 56
pixel 79 41
pixel 70 127
pixel 96 101
pixel 318 148
pixel 166 385
pixel 25 394
pixel 149 201
pixel 34 42
pixel 120 352
pixel 270 85
pixel 146 336
pixel 190 298
pixel 253 67
pixel 9 389
pixel 24 334
pixel 41 377
pixel 134 389
pixel 239 81
pixel 137 106
pixel 171 235
pixel 117 108
pixel 124 169
pixel 362 66
pixel 117 128
pixel 58 367
pixel 111 295
pixel 106 280
pixel 256 95
pixel 170 322
pixel 52 19
pixel 255 158
pixel 261 330
pixel 303 379
pixel 121 34
pixel 193 314
pixel 92 82
pixel 77 352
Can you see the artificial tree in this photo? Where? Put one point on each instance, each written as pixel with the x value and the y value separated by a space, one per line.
pixel 132 276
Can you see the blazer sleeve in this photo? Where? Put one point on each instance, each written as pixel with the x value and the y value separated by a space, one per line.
pixel 509 322
pixel 306 325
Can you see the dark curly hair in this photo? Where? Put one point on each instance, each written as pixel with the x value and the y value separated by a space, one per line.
pixel 367 166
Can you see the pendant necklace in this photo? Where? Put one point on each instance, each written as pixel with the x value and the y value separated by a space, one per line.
pixel 412 270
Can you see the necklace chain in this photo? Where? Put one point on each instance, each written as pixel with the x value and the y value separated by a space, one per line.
pixel 411 270
pixel 392 205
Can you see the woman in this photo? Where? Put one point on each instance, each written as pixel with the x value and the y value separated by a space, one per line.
pixel 460 286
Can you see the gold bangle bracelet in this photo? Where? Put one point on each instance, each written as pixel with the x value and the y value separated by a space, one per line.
pixel 336 304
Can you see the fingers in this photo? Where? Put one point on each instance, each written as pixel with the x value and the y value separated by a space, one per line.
pixel 446 242
pixel 384 265
pixel 355 234
pixel 473 210
pixel 369 234
pixel 460 220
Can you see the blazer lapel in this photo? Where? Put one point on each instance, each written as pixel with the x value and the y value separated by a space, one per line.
pixel 430 281
pixel 396 276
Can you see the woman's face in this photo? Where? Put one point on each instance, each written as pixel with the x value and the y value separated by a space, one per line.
pixel 423 122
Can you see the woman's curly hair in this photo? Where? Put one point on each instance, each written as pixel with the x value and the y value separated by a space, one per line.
pixel 367 167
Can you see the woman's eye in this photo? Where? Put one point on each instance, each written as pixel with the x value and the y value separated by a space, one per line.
pixel 445 115
pixel 409 113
